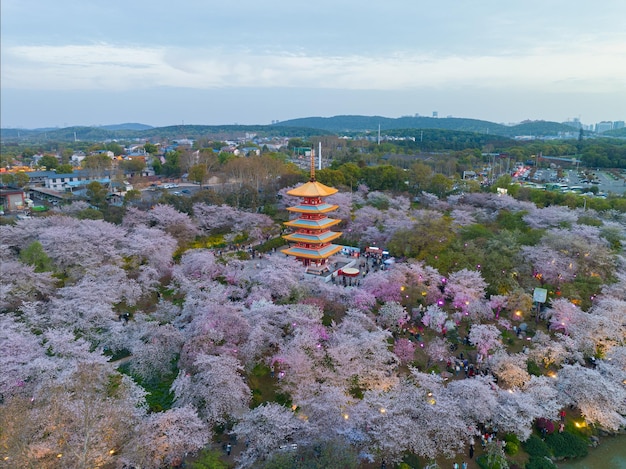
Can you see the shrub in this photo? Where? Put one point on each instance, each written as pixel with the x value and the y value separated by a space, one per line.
pixel 511 448
pixel 540 463
pixel 209 459
pixel 533 368
pixel 536 447
pixel 567 445
pixel 548 425
pixel 483 463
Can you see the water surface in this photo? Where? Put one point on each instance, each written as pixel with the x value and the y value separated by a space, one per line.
pixel 611 454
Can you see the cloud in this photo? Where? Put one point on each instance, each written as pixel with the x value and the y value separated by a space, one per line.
pixel 103 66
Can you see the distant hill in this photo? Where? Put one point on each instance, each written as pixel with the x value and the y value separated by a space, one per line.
pixel 344 124
pixel 99 134
pixel 302 128
pixel 126 126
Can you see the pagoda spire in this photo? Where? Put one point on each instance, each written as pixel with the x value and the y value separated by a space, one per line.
pixel 312 166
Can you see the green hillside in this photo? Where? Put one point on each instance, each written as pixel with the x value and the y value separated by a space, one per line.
pixel 347 124
pixel 99 134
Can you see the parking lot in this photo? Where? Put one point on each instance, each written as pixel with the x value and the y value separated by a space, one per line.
pixel 604 181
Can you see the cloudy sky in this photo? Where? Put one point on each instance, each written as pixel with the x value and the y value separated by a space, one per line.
pixel 158 62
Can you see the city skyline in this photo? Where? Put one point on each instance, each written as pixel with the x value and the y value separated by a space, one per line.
pixel 110 62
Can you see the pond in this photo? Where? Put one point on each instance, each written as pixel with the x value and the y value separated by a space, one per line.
pixel 611 454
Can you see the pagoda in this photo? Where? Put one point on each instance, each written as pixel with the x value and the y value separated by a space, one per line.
pixel 312 236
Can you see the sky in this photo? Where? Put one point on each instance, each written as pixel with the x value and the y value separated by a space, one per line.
pixel 158 62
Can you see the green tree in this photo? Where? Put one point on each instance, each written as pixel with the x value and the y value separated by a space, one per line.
pixel 34 255
pixel 351 173
pixel 97 164
pixel 440 185
pixel 330 177
pixel 198 173
pixel 131 196
pixel 49 162
pixel 65 169
pixel 7 178
pixel 426 240
pixel 172 164
pixel 66 155
pixel 133 166
pixel 90 214
pixel 419 175
pixel 297 143
pixel 28 153
pixel 21 179
pixel 97 194
pixel 115 148
pixel 150 148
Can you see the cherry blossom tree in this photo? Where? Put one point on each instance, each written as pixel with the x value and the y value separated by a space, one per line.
pixel 607 323
pixel 220 218
pixel 486 338
pixel 544 391
pixel 549 265
pixel 266 334
pixel 516 412
pixel 414 416
pixel 464 287
pixel 82 419
pixel 21 283
pixel 553 350
pixel 265 429
pixel 154 352
pixel 438 350
pixel 498 302
pixel 551 216
pixel 475 398
pixel 600 399
pixel 435 318
pixel 511 370
pixel 151 246
pixel 343 200
pixel 405 350
pixel 278 278
pixel 392 315
pixel 563 315
pixel 214 387
pixel 24 364
pixel 179 225
pixel 89 306
pixel 165 438
pixel 383 287
pixel 354 356
pixel 583 245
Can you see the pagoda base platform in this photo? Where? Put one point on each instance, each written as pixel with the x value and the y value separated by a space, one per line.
pixel 333 267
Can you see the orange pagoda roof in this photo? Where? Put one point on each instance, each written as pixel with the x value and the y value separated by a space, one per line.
pixel 308 224
pixel 320 238
pixel 307 208
pixel 316 254
pixel 312 189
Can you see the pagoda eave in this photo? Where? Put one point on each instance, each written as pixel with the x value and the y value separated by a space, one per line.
pixel 302 223
pixel 313 238
pixel 312 189
pixel 304 253
pixel 322 208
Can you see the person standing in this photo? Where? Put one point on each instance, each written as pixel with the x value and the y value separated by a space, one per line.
pixel 228 449
pixel 464 465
